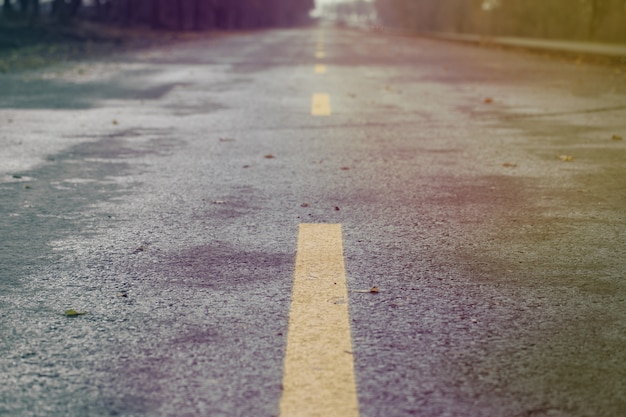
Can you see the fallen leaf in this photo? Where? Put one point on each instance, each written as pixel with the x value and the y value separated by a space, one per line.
pixel 509 165
pixel 373 290
pixel 115 122
pixel 337 209
pixel 74 313
pixel 304 205
pixel 488 100
pixel 219 202
pixel 246 166
pixel 345 168
pixel 566 158
pixel 141 248
pixel 269 156
pixel 617 137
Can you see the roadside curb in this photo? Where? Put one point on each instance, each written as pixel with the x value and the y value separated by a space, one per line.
pixel 613 51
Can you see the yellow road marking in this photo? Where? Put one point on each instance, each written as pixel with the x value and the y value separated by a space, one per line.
pixel 320 105
pixel 320 54
pixel 319 377
pixel 320 69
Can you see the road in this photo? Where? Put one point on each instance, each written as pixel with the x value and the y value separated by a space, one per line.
pixel 221 208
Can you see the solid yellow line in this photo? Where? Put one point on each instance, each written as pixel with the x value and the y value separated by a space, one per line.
pixel 320 105
pixel 320 69
pixel 319 366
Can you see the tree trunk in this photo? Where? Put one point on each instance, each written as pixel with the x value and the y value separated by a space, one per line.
pixel 34 12
pixel 74 6
pixel 24 6
pixel 60 11
pixel 7 9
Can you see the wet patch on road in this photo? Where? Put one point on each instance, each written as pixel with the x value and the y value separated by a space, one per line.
pixel 40 210
pixel 221 266
pixel 37 93
pixel 46 216
pixel 194 108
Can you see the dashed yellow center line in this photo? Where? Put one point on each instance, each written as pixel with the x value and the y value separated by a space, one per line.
pixel 319 376
pixel 320 69
pixel 320 105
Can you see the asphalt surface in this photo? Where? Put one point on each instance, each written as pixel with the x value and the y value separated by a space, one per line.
pixel 160 192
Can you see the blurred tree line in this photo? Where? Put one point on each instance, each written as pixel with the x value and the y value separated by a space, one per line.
pixel 596 20
pixel 165 14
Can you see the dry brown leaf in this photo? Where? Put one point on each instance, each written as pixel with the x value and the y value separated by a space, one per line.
pixel 617 137
pixel 140 249
pixel 509 165
pixel 488 100
pixel 373 290
pixel 269 156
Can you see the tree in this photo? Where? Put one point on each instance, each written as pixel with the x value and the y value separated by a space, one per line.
pixel 205 14
pixel 64 10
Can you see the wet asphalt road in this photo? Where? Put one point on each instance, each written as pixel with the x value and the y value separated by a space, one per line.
pixel 160 191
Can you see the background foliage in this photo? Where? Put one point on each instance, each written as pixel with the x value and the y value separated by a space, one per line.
pixel 596 20
pixel 166 14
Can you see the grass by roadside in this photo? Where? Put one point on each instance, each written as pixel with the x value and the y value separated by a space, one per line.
pixel 24 47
